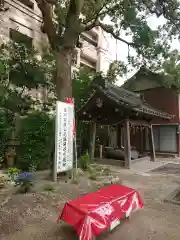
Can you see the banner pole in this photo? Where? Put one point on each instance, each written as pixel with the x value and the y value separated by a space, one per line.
pixel 75 146
pixel 74 170
pixel 55 155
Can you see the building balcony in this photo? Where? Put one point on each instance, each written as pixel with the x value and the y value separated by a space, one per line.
pixel 93 39
pixel 85 62
pixel 89 51
pixel 22 17
pixel 24 9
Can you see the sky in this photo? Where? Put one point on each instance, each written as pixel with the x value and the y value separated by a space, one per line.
pixel 117 50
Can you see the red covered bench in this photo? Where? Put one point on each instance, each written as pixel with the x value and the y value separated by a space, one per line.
pixel 96 212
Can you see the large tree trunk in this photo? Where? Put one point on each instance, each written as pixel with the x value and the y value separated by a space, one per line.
pixel 64 74
pixel 63 84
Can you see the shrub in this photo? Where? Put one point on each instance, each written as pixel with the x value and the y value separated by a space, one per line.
pixel 32 167
pixel 13 173
pixel 36 140
pixel 6 121
pixel 24 181
pixel 84 161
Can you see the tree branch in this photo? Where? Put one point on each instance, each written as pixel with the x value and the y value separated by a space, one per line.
pixel 109 29
pixel 100 13
pixel 46 10
pixel 96 15
pixel 72 24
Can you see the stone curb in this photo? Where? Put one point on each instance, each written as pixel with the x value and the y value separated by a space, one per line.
pixel 170 198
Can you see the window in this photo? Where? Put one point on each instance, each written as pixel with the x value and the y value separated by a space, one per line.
pixel 20 38
pixel 28 3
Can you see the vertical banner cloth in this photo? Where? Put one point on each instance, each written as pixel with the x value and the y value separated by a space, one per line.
pixel 71 101
pixel 94 213
pixel 64 136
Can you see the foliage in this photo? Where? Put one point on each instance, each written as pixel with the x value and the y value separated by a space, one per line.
pixel 126 17
pixel 24 66
pixel 36 137
pixel 171 70
pixel 24 181
pixel 6 125
pixel 1 161
pixel 32 167
pixel 82 86
pixel 82 130
pixel 20 72
pixel 84 161
pixel 13 174
pixel 116 68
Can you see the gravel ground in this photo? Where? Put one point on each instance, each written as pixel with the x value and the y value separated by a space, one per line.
pixel 33 216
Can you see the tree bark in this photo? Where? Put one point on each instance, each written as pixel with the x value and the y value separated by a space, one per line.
pixel 64 74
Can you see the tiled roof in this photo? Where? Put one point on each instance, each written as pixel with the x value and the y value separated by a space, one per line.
pixel 131 100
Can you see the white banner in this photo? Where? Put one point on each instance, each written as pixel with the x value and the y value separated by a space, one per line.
pixel 64 136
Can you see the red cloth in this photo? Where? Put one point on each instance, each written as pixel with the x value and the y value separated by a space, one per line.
pixel 93 213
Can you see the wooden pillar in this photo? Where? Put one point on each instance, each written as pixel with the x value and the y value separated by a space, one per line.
pixel 127 144
pixel 151 144
pixel 100 151
pixel 122 136
pixel 178 140
pixel 142 140
pixel 92 141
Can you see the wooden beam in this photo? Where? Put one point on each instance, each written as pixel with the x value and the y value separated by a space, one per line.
pixel 139 123
pixel 127 144
pixel 151 144
pixel 92 140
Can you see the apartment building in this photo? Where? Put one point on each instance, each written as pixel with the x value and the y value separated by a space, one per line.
pixel 23 17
